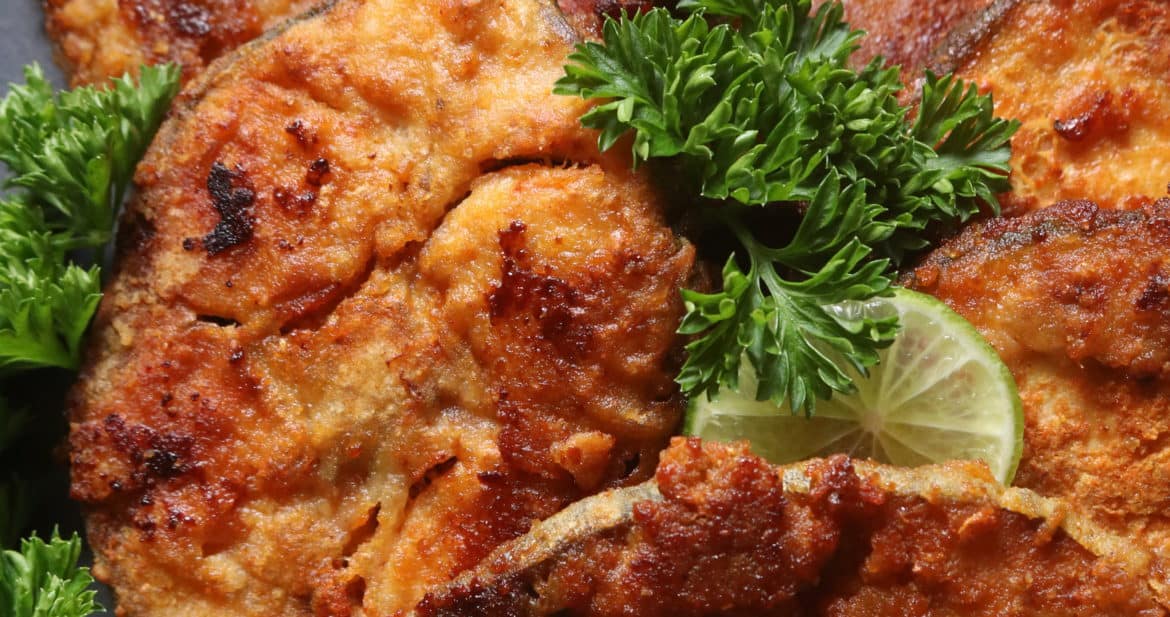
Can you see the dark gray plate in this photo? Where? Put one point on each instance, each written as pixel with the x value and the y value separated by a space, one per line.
pixel 22 41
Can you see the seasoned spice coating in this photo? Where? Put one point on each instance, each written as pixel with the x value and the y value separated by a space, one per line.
pixel 1076 300
pixel 323 405
pixel 1090 81
pixel 98 39
pixel 106 38
pixel 732 535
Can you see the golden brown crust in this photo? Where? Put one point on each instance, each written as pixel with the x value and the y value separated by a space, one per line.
pixel 98 39
pixel 907 32
pixel 1090 81
pixel 1076 300
pixel 730 535
pixel 379 305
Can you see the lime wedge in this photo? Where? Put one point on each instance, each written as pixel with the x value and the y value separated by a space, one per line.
pixel 939 392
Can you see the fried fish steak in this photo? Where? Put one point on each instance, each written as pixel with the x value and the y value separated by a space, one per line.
pixel 721 532
pixel 1076 300
pixel 907 32
pixel 380 303
pixel 99 39
pixel 1090 82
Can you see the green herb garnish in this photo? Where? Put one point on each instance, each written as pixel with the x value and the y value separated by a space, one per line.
pixel 43 580
pixel 72 156
pixel 768 114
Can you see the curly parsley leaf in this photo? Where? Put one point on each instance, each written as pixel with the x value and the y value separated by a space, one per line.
pixel 769 114
pixel 72 156
pixel 785 328
pixel 43 580
pixel 73 153
pixel 45 304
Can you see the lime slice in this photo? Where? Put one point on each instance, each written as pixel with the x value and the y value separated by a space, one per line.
pixel 939 392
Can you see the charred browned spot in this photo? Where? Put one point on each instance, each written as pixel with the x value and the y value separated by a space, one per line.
pixel 1156 295
pixel 189 19
pixel 136 233
pixel 189 30
pixel 318 172
pixel 1077 127
pixel 1083 292
pixel 554 305
pixel 296 203
pixel 232 196
pixel 156 455
pixel 1097 115
pixel 304 136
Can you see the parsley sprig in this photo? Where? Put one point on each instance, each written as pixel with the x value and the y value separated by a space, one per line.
pixel 71 156
pixel 769 114
pixel 43 580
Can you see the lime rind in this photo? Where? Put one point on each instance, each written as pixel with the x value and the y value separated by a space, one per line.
pixel 938 363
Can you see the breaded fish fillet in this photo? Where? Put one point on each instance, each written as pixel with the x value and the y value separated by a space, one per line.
pixel 380 303
pixel 97 39
pixel 1090 81
pixel 907 32
pixel 1076 300
pixel 721 532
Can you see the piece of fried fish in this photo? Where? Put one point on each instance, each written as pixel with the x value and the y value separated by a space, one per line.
pixel 99 39
pixel 1090 82
pixel 380 303
pixel 1076 300
pixel 721 532
pixel 908 33
pixel 1088 79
